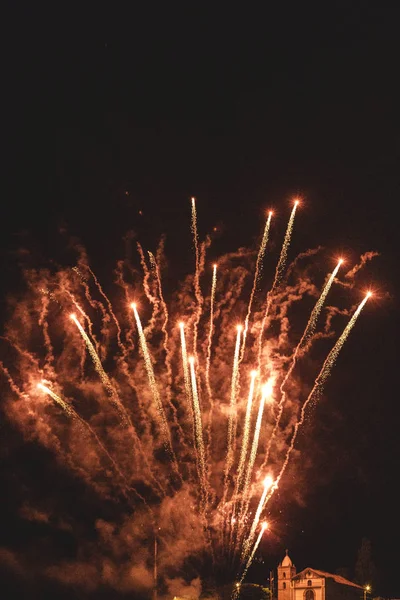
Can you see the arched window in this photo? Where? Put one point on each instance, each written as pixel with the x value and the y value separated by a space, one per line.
pixel 284 575
pixel 284 587
pixel 309 595
pixel 309 583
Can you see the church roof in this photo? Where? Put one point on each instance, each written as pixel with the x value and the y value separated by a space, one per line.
pixel 336 578
pixel 287 562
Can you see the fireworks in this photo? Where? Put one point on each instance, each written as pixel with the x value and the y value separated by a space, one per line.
pixel 198 424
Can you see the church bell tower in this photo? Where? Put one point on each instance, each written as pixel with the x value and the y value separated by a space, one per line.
pixel 286 570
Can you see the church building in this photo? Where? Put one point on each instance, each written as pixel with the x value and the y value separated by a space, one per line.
pixel 313 584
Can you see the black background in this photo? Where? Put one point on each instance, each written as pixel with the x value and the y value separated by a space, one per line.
pixel 111 111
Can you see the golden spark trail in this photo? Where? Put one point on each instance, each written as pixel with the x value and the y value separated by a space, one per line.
pixel 208 357
pixel 153 385
pixel 198 431
pixel 210 331
pixel 246 434
pixel 197 289
pixel 308 332
pixel 194 231
pixel 85 317
pixel 99 368
pixel 280 268
pixel 317 388
pixel 11 381
pixel 66 407
pixel 232 410
pixel 154 264
pixel 154 301
pixel 72 413
pixel 266 392
pixel 247 545
pixel 264 526
pixel 110 308
pixel 243 455
pixel 45 327
pixel 164 307
pixel 256 279
pixel 186 374
pixel 113 395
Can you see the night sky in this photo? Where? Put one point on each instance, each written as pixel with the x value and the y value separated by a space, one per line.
pixel 114 118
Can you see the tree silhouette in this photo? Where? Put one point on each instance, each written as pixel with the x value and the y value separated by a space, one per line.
pixel 365 570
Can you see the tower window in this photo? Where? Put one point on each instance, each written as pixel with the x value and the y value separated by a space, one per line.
pixel 284 576
pixel 284 586
pixel 309 583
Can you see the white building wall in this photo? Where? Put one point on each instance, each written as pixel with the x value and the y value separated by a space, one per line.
pixel 299 587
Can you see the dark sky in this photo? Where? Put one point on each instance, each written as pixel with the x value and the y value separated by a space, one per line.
pixel 242 108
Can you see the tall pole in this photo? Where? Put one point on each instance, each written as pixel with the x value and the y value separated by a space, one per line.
pixel 155 569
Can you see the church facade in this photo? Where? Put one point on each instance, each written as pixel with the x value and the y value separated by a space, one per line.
pixel 313 584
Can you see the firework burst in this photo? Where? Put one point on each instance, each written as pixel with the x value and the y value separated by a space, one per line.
pixel 187 436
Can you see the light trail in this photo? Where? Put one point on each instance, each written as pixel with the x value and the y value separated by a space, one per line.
pixel 308 332
pixel 197 289
pixel 198 431
pixel 316 391
pixel 66 407
pixel 186 373
pixel 153 386
pixel 268 481
pixel 266 393
pixel 103 375
pixel 280 269
pixel 232 409
pixel 110 310
pixel 73 414
pixel 210 331
pixel 256 280
pixel 164 326
pixel 246 434
pixel 264 527
pixel 243 456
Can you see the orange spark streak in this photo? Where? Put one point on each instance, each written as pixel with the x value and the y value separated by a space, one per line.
pixel 243 455
pixel 247 545
pixel 266 391
pixel 264 527
pixel 257 276
pixel 99 368
pixel 198 430
pixel 72 413
pixel 153 385
pixel 110 309
pixel 163 304
pixel 246 434
pixel 148 290
pixel 197 289
pixel 308 332
pixel 317 389
pixel 280 268
pixel 210 331
pixel 66 407
pixel 232 408
pixel 186 374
